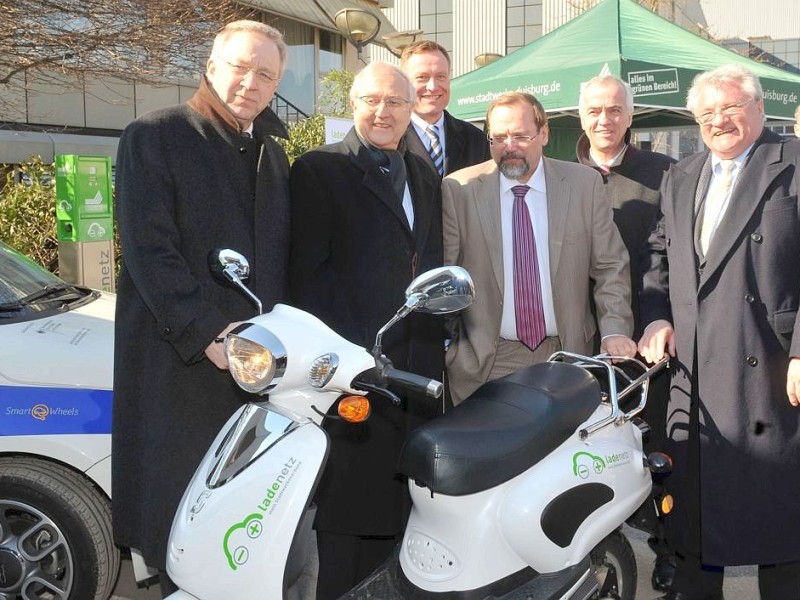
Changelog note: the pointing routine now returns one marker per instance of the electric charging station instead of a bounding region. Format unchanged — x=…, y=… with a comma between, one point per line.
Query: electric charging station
x=85, y=221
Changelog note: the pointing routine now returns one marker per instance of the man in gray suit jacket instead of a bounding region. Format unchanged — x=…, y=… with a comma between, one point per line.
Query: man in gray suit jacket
x=490, y=212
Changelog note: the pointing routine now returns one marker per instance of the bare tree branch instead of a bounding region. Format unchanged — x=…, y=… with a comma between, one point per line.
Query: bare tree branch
x=127, y=40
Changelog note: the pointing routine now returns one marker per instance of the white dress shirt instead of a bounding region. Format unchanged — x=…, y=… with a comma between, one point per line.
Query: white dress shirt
x=716, y=171
x=420, y=125
x=536, y=200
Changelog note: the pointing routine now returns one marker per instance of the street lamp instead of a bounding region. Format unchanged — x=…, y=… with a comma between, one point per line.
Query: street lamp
x=396, y=42
x=359, y=27
x=486, y=58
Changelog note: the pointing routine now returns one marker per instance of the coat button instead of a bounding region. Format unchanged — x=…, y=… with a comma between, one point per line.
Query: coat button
x=749, y=298
x=757, y=237
x=242, y=150
x=167, y=330
x=752, y=361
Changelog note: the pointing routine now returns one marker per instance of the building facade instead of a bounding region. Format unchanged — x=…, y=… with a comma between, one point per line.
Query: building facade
x=58, y=117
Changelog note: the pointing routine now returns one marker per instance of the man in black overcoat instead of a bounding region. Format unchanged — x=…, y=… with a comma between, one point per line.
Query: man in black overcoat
x=632, y=178
x=721, y=295
x=189, y=179
x=366, y=219
x=459, y=144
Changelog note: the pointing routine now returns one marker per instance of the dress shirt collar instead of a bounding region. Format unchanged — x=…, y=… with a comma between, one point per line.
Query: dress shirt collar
x=420, y=125
x=739, y=160
x=536, y=182
x=614, y=161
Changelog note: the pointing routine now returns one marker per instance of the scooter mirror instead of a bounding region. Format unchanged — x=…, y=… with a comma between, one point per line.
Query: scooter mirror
x=226, y=265
x=229, y=266
x=441, y=291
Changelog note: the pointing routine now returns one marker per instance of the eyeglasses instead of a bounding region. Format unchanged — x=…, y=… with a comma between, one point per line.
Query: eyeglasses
x=241, y=70
x=506, y=140
x=390, y=102
x=727, y=111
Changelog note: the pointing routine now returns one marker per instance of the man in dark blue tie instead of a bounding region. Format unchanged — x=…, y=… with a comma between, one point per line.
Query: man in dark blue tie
x=448, y=144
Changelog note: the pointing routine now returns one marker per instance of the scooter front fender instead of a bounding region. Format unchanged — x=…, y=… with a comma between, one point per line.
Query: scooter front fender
x=231, y=538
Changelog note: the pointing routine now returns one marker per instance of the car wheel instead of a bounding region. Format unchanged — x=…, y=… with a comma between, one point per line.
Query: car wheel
x=55, y=534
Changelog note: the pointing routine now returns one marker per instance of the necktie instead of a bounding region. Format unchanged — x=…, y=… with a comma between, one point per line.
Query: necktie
x=436, y=149
x=247, y=134
x=528, y=307
x=715, y=201
x=605, y=169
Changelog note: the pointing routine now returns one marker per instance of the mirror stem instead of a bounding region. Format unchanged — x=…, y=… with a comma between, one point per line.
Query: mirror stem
x=238, y=282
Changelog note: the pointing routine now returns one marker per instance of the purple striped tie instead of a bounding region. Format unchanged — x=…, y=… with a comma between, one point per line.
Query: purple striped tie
x=528, y=306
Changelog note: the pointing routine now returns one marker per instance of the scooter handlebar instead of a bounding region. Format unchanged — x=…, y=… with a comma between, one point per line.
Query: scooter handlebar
x=413, y=382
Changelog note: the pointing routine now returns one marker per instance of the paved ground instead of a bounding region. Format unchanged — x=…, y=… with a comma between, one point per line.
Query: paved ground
x=740, y=583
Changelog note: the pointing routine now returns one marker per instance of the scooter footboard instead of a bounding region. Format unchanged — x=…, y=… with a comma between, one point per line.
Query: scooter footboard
x=389, y=582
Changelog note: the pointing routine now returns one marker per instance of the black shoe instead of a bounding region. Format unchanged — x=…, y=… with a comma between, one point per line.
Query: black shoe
x=663, y=573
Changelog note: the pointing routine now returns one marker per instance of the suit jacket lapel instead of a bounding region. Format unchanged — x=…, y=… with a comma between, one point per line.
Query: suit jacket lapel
x=454, y=141
x=374, y=179
x=423, y=190
x=486, y=196
x=558, y=193
x=759, y=170
x=685, y=182
x=415, y=145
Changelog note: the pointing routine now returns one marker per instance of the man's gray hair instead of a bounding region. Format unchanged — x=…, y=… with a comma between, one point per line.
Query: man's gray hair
x=368, y=72
x=731, y=74
x=246, y=26
x=603, y=79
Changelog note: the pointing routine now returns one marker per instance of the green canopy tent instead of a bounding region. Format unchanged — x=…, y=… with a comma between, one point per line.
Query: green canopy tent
x=658, y=58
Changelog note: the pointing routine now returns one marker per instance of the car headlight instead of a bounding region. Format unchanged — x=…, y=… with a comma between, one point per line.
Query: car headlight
x=256, y=358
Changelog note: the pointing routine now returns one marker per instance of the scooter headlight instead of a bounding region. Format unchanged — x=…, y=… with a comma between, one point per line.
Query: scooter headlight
x=256, y=358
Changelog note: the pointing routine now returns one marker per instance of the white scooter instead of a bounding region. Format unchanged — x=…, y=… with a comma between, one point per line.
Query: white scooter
x=518, y=492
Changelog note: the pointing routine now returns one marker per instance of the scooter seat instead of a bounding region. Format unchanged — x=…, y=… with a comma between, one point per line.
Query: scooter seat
x=503, y=429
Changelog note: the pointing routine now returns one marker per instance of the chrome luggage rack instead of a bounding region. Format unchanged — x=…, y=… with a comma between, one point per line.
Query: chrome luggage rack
x=610, y=364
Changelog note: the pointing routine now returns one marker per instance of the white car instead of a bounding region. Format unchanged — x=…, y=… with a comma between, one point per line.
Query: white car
x=56, y=369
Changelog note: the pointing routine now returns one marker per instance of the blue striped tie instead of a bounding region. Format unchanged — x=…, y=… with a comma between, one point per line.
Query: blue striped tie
x=436, y=149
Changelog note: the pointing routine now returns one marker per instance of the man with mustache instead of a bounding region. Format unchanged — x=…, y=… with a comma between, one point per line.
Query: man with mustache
x=533, y=232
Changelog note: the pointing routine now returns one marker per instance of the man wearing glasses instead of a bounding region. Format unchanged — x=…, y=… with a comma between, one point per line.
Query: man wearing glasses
x=191, y=178
x=721, y=297
x=366, y=219
x=533, y=232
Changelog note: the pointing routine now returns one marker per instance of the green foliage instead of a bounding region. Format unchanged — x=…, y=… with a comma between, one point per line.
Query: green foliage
x=28, y=212
x=334, y=97
x=304, y=135
x=334, y=101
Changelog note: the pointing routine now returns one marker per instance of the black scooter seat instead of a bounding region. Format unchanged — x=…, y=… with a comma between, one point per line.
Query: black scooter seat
x=503, y=429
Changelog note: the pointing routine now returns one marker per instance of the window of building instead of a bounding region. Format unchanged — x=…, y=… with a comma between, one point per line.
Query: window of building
x=523, y=23
x=313, y=53
x=436, y=20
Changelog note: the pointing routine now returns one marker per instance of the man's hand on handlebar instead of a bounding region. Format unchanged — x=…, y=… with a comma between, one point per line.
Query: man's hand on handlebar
x=657, y=337
x=618, y=345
